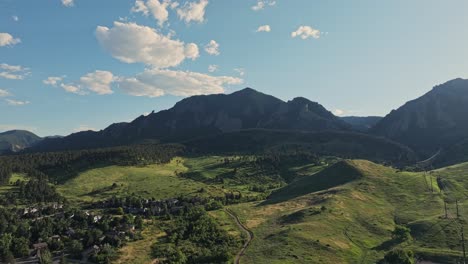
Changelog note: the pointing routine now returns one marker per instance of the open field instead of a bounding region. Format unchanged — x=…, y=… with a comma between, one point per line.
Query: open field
x=15, y=177
x=158, y=181
x=139, y=252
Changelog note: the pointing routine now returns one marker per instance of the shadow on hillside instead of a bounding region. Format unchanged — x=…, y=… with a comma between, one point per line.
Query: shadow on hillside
x=387, y=245
x=338, y=174
x=63, y=174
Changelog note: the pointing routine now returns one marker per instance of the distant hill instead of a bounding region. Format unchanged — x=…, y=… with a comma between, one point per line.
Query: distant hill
x=16, y=140
x=333, y=176
x=361, y=123
x=435, y=121
x=207, y=115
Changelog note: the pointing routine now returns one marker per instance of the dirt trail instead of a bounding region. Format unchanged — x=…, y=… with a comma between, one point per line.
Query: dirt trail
x=249, y=233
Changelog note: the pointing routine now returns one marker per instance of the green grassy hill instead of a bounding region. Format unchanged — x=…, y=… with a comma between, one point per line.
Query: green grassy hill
x=352, y=221
x=338, y=174
x=158, y=181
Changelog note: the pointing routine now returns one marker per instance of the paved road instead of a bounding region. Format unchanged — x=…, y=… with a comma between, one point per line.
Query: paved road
x=250, y=235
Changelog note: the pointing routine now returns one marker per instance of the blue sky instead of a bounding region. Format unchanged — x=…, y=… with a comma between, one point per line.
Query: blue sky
x=70, y=65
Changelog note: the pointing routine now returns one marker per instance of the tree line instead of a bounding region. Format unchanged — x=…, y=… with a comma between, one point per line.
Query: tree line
x=38, y=165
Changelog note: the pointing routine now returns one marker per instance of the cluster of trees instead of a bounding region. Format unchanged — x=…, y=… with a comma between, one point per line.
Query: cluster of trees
x=33, y=191
x=153, y=207
x=399, y=256
x=274, y=159
x=69, y=231
x=5, y=172
x=264, y=187
x=40, y=164
x=194, y=237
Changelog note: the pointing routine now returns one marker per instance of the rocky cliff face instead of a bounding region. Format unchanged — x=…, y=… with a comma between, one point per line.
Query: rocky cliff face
x=434, y=121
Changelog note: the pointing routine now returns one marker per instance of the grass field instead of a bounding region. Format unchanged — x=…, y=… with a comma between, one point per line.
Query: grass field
x=139, y=252
x=227, y=223
x=158, y=181
x=237, y=175
x=15, y=177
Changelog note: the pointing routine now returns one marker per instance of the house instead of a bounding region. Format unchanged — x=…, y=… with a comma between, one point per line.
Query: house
x=70, y=232
x=30, y=210
x=177, y=209
x=92, y=250
x=96, y=218
x=57, y=206
x=155, y=210
x=172, y=202
x=40, y=246
x=55, y=237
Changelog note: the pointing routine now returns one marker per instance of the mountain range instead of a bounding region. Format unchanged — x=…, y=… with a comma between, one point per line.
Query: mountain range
x=17, y=140
x=437, y=122
x=362, y=123
x=207, y=115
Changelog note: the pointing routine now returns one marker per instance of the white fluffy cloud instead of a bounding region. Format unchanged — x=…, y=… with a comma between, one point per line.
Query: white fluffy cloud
x=13, y=72
x=53, y=81
x=135, y=87
x=213, y=68
x=4, y=93
x=261, y=4
x=264, y=28
x=158, y=9
x=98, y=82
x=132, y=43
x=140, y=7
x=15, y=18
x=193, y=11
x=191, y=51
x=305, y=32
x=157, y=82
x=212, y=48
x=16, y=103
x=8, y=40
x=150, y=83
x=68, y=3
x=72, y=88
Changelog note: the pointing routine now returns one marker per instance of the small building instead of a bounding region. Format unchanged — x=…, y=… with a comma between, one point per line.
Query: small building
x=177, y=209
x=40, y=246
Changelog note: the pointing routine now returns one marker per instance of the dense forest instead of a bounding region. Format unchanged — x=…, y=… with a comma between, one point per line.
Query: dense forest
x=38, y=165
x=194, y=237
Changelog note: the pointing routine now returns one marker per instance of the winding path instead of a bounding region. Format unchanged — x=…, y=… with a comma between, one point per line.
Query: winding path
x=250, y=235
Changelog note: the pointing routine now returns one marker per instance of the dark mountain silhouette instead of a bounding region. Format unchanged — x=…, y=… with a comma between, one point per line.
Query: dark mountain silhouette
x=16, y=140
x=206, y=115
x=433, y=122
x=343, y=144
x=361, y=123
